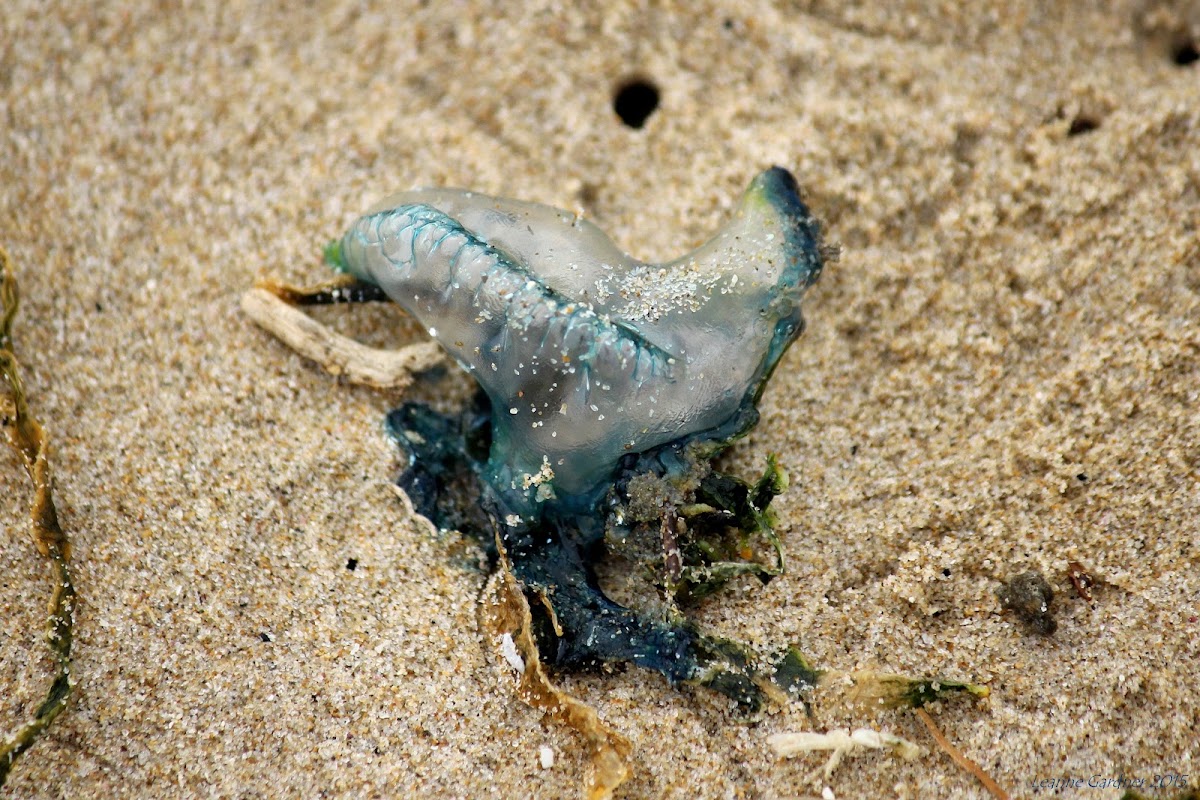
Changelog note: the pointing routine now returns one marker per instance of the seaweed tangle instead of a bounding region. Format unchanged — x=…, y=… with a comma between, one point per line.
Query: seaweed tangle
x=29, y=440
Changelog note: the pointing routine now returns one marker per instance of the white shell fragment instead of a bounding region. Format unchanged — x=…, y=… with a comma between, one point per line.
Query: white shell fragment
x=508, y=649
x=840, y=743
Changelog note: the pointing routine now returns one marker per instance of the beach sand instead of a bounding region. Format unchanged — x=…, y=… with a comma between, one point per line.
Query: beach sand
x=1001, y=373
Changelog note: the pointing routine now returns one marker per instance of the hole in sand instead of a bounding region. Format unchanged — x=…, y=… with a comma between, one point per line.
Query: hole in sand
x=635, y=101
x=1185, y=53
x=1082, y=124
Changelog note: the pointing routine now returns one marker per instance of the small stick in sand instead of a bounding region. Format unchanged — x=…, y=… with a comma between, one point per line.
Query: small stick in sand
x=340, y=355
x=960, y=759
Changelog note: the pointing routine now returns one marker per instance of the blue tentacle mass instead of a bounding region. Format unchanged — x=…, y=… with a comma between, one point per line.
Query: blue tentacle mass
x=610, y=385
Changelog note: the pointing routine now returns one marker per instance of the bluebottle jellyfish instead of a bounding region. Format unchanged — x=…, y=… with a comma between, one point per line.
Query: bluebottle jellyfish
x=608, y=386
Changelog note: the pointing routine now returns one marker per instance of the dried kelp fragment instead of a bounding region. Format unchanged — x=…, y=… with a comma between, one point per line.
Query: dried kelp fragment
x=507, y=620
x=29, y=439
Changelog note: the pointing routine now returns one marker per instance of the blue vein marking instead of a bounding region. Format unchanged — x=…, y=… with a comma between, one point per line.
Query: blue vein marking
x=422, y=216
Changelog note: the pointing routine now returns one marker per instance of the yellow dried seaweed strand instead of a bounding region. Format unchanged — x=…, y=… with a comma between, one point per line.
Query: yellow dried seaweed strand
x=28, y=439
x=507, y=612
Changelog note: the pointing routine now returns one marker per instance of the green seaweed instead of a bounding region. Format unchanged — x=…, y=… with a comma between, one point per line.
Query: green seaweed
x=702, y=526
x=717, y=552
x=902, y=691
x=794, y=674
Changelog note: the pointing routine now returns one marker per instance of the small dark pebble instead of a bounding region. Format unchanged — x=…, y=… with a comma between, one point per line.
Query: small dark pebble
x=266, y=637
x=1082, y=124
x=1029, y=596
x=352, y=564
